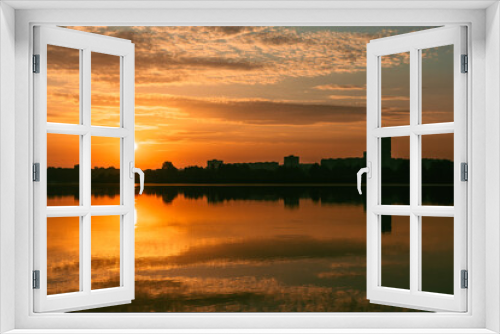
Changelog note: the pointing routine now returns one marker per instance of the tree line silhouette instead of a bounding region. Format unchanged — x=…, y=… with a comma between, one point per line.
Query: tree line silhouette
x=290, y=195
x=394, y=171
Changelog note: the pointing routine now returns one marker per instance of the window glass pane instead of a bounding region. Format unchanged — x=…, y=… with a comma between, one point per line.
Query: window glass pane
x=395, y=251
x=63, y=255
x=105, y=77
x=105, y=171
x=437, y=169
x=395, y=162
x=63, y=172
x=437, y=254
x=63, y=85
x=437, y=84
x=395, y=94
x=105, y=252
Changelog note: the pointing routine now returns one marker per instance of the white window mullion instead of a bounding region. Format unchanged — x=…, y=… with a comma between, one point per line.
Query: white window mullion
x=127, y=105
x=123, y=175
x=414, y=172
x=373, y=191
x=392, y=131
x=434, y=129
x=68, y=129
x=86, y=246
x=422, y=129
x=417, y=118
x=83, y=221
x=78, y=129
x=85, y=149
x=103, y=131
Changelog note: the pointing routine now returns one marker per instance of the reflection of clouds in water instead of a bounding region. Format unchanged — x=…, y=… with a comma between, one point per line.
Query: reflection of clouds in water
x=297, y=285
x=292, y=272
x=62, y=276
x=348, y=267
x=289, y=247
x=245, y=254
x=244, y=294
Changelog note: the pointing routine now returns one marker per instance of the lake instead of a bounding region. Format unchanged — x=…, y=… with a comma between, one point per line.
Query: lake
x=241, y=248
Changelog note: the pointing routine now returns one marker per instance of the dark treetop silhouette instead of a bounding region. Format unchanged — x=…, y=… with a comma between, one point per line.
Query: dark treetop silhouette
x=394, y=171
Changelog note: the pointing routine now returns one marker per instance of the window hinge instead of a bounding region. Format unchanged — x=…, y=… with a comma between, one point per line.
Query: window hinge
x=465, y=64
x=36, y=63
x=36, y=279
x=465, y=279
x=464, y=171
x=36, y=172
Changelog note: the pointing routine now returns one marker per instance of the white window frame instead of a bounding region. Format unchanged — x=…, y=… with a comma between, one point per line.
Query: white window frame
x=86, y=44
x=414, y=43
x=483, y=314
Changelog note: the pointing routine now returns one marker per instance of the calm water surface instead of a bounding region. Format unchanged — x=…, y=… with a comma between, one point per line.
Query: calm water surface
x=243, y=249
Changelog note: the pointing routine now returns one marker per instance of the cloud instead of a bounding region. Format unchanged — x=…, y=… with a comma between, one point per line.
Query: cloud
x=178, y=67
x=230, y=30
x=347, y=97
x=258, y=111
x=346, y=87
x=395, y=98
x=245, y=55
x=62, y=59
x=168, y=61
x=362, y=98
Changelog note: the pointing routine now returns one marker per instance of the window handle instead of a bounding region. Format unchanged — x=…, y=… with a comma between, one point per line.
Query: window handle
x=368, y=171
x=139, y=171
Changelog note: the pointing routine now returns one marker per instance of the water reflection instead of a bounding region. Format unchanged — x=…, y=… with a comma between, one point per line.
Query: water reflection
x=63, y=254
x=289, y=195
x=248, y=249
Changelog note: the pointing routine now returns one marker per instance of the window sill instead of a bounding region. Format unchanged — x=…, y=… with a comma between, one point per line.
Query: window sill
x=252, y=331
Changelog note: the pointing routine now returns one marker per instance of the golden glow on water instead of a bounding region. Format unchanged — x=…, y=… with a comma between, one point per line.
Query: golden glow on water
x=105, y=254
x=192, y=228
x=203, y=251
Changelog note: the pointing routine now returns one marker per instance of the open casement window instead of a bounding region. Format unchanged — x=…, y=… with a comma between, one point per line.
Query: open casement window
x=83, y=248
x=403, y=217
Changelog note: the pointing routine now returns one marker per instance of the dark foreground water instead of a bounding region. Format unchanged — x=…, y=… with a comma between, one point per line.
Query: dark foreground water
x=231, y=248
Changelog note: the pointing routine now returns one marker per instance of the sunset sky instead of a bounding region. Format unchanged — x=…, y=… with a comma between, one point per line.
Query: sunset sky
x=245, y=94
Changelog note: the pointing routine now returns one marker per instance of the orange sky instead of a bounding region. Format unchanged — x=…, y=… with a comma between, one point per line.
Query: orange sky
x=242, y=94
